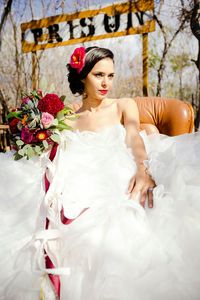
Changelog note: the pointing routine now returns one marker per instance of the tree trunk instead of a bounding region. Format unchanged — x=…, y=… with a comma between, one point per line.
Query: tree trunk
x=181, y=84
x=161, y=70
x=195, y=27
x=5, y=13
x=4, y=107
x=167, y=45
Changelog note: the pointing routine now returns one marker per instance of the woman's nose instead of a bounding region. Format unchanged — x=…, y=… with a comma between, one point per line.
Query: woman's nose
x=104, y=82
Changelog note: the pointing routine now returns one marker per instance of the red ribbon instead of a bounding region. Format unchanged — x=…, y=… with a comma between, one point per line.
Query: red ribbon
x=55, y=279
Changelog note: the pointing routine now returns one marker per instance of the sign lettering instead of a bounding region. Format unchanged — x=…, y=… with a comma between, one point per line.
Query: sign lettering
x=111, y=21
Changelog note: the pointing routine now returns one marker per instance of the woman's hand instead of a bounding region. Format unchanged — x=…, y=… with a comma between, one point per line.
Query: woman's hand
x=142, y=182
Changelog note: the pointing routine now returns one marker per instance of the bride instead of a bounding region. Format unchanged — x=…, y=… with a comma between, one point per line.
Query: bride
x=121, y=217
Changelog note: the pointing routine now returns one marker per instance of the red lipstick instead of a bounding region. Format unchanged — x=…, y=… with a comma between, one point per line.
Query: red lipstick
x=103, y=92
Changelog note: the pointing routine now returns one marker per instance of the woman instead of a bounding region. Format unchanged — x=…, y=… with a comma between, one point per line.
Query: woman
x=94, y=80
x=101, y=239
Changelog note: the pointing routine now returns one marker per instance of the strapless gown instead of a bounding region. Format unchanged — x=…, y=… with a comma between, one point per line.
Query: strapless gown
x=101, y=245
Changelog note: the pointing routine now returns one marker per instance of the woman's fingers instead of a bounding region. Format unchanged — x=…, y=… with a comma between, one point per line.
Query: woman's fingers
x=131, y=185
x=134, y=194
x=143, y=198
x=150, y=197
x=142, y=188
x=145, y=195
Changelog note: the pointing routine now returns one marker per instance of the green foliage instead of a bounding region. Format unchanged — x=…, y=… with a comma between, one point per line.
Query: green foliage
x=180, y=61
x=154, y=59
x=55, y=138
x=14, y=114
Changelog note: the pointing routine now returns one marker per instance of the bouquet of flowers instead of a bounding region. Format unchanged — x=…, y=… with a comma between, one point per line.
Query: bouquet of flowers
x=36, y=124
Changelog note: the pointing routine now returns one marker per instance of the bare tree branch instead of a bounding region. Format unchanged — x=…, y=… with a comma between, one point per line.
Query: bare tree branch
x=6, y=11
x=167, y=45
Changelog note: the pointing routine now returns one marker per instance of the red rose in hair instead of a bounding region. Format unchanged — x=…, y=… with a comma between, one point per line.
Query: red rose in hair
x=13, y=125
x=77, y=60
x=50, y=103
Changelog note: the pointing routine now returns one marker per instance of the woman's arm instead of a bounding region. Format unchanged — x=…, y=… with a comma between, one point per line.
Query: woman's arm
x=142, y=181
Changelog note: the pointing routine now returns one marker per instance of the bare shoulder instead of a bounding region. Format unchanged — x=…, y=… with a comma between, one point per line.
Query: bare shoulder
x=129, y=112
x=125, y=104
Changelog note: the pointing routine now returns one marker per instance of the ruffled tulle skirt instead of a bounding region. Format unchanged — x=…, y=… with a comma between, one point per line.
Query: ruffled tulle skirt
x=101, y=244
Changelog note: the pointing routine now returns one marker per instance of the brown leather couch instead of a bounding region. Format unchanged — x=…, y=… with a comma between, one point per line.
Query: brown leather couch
x=168, y=116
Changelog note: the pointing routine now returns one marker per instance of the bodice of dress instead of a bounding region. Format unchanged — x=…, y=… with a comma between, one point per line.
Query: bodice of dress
x=90, y=166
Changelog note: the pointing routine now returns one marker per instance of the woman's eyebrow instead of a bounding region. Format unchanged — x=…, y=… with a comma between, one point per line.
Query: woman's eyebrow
x=100, y=72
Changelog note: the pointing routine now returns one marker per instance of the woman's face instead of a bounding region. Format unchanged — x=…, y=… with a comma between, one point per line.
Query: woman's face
x=99, y=81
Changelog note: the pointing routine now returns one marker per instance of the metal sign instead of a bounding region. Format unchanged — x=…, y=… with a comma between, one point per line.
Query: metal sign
x=133, y=17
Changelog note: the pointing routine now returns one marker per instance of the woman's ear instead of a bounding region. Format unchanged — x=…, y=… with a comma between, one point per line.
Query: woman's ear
x=83, y=81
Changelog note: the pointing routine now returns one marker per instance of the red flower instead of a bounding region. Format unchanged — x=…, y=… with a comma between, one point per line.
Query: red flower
x=26, y=135
x=42, y=135
x=13, y=125
x=50, y=103
x=77, y=60
x=39, y=92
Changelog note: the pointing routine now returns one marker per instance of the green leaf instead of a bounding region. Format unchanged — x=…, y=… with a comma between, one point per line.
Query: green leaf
x=55, y=122
x=65, y=111
x=62, y=98
x=68, y=110
x=32, y=124
x=35, y=94
x=19, y=142
x=30, y=152
x=55, y=138
x=72, y=117
x=60, y=115
x=62, y=125
x=45, y=144
x=14, y=114
x=21, y=152
x=38, y=150
x=26, y=147
x=17, y=156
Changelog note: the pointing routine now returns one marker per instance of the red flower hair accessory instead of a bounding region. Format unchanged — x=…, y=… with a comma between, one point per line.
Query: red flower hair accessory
x=77, y=60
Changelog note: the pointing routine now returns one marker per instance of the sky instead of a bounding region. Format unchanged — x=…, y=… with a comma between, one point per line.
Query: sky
x=56, y=7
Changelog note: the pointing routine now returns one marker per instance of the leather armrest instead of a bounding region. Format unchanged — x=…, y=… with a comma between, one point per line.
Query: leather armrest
x=171, y=116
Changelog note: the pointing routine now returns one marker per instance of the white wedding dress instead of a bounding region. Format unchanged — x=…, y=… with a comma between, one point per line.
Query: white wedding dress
x=106, y=246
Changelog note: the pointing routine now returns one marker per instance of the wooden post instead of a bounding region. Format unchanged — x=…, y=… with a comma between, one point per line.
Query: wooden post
x=34, y=71
x=145, y=63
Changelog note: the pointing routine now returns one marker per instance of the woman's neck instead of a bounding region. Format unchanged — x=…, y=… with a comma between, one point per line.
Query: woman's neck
x=91, y=104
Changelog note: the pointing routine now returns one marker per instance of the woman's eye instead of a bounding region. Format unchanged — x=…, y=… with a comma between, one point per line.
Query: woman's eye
x=98, y=75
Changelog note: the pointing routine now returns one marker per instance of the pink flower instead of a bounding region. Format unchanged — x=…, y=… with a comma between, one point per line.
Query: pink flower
x=25, y=100
x=77, y=60
x=26, y=135
x=47, y=119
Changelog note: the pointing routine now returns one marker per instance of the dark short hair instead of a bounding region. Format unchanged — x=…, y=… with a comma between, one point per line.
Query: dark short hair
x=94, y=56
